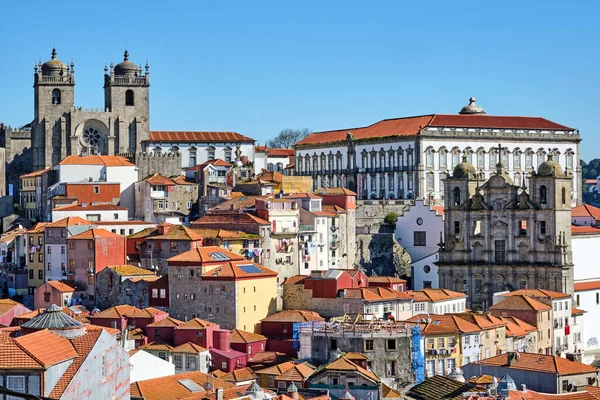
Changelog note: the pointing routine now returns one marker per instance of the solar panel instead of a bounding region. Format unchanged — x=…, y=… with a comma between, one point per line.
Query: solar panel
x=219, y=256
x=190, y=385
x=250, y=269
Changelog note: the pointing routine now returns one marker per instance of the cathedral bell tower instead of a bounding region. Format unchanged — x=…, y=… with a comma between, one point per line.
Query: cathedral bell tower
x=54, y=96
x=126, y=96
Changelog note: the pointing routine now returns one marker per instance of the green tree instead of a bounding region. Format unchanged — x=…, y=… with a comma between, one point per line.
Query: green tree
x=391, y=218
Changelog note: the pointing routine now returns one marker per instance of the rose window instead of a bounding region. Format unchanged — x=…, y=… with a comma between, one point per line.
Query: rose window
x=91, y=137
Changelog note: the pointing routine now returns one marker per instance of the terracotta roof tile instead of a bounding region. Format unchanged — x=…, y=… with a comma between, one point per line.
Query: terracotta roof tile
x=587, y=285
x=38, y=228
x=537, y=293
x=157, y=345
x=448, y=320
x=175, y=232
x=295, y=280
x=439, y=387
x=94, y=233
x=516, y=327
x=240, y=336
x=237, y=270
x=196, y=323
x=158, y=179
x=294, y=316
x=584, y=230
x=385, y=279
x=35, y=173
x=65, y=286
x=69, y=221
x=435, y=295
x=234, y=204
x=239, y=375
x=298, y=373
x=130, y=270
x=125, y=310
x=207, y=254
x=217, y=162
x=334, y=191
x=189, y=348
x=46, y=347
x=585, y=210
x=577, y=311
x=276, y=369
x=109, y=161
x=520, y=303
x=169, y=387
x=197, y=137
x=90, y=207
x=166, y=322
x=344, y=364
x=375, y=293
x=12, y=356
x=7, y=304
x=540, y=363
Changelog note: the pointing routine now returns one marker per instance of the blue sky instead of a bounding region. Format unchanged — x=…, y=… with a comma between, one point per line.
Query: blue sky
x=259, y=67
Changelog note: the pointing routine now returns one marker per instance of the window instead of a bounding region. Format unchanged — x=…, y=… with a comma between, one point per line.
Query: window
x=391, y=368
x=440, y=343
x=429, y=159
x=270, y=381
x=40, y=257
x=163, y=293
x=516, y=160
x=369, y=345
x=456, y=227
x=281, y=385
x=190, y=363
x=49, y=266
x=162, y=355
x=456, y=196
x=129, y=98
x=49, y=251
x=16, y=384
x=103, y=366
x=390, y=344
x=500, y=251
x=173, y=246
x=542, y=227
x=543, y=194
x=565, y=385
x=56, y=96
x=46, y=297
x=96, y=189
x=177, y=360
x=63, y=250
x=528, y=160
x=430, y=368
x=333, y=344
x=564, y=196
x=420, y=238
x=40, y=274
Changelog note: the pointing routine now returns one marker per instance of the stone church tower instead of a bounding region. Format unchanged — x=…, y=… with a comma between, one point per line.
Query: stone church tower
x=500, y=236
x=60, y=129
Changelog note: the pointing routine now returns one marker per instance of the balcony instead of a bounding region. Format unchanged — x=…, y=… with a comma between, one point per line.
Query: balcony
x=307, y=228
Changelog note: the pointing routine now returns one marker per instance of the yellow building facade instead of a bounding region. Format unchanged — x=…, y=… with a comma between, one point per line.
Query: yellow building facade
x=442, y=349
x=35, y=257
x=256, y=298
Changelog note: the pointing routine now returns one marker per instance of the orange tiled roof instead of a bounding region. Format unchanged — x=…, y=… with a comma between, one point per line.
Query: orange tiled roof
x=7, y=305
x=94, y=233
x=298, y=373
x=590, y=393
x=222, y=219
x=411, y=126
x=334, y=191
x=537, y=293
x=483, y=321
x=157, y=345
x=435, y=329
x=197, y=137
x=35, y=173
x=375, y=293
x=435, y=295
x=196, y=323
x=240, y=336
x=520, y=302
x=109, y=161
x=344, y=364
x=37, y=228
x=158, y=179
x=128, y=311
x=207, y=254
x=448, y=320
x=577, y=311
x=217, y=162
x=234, y=204
x=584, y=230
x=585, y=210
x=276, y=369
x=385, y=279
x=168, y=387
x=239, y=375
x=69, y=221
x=166, y=322
x=130, y=270
x=236, y=270
x=541, y=363
x=176, y=232
x=65, y=286
x=587, y=285
x=294, y=316
x=295, y=280
x=89, y=207
x=46, y=347
x=516, y=327
x=189, y=348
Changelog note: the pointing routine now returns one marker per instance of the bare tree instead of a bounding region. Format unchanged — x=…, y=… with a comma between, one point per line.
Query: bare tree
x=288, y=137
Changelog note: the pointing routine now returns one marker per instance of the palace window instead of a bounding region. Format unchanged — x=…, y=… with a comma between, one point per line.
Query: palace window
x=443, y=155
x=480, y=159
x=193, y=157
x=56, y=96
x=516, y=160
x=455, y=158
x=500, y=251
x=429, y=159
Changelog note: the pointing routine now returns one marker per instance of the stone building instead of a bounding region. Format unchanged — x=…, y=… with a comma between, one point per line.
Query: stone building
x=503, y=236
x=387, y=346
x=407, y=158
x=124, y=284
x=60, y=129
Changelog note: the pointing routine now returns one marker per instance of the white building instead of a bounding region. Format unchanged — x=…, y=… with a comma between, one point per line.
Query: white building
x=143, y=365
x=409, y=157
x=272, y=159
x=101, y=169
x=438, y=301
x=587, y=298
x=199, y=147
x=91, y=212
x=124, y=227
x=418, y=231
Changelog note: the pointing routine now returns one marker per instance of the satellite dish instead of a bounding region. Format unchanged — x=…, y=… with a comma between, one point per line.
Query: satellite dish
x=207, y=386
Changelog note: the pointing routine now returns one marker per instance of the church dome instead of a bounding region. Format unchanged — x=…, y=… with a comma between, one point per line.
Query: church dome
x=464, y=170
x=550, y=168
x=472, y=108
x=55, y=320
x=54, y=66
x=126, y=67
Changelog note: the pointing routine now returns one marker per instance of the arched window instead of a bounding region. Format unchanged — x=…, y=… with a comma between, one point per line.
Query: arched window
x=56, y=96
x=543, y=195
x=129, y=101
x=456, y=196
x=564, y=195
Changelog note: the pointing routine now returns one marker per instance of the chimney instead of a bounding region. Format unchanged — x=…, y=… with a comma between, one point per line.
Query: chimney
x=163, y=228
x=221, y=339
x=219, y=393
x=512, y=358
x=523, y=388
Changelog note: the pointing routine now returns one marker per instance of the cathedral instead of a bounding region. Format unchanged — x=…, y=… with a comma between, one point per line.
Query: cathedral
x=501, y=236
x=60, y=129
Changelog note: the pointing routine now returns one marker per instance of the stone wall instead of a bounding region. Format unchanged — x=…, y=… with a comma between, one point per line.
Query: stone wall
x=16, y=156
x=381, y=254
x=166, y=164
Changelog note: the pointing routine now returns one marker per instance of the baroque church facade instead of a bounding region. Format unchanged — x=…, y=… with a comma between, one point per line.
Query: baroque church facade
x=60, y=129
x=502, y=236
